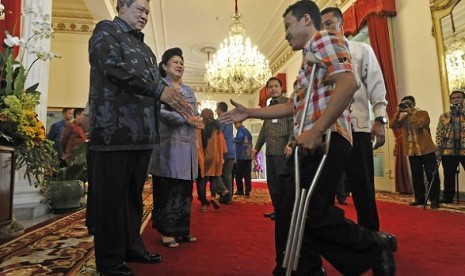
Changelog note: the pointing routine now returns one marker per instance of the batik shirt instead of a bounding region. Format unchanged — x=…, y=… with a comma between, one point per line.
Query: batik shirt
x=125, y=86
x=450, y=134
x=330, y=52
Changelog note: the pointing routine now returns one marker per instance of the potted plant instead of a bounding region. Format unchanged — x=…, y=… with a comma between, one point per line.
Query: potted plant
x=20, y=126
x=66, y=189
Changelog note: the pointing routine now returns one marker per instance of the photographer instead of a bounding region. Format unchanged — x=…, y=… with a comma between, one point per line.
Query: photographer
x=419, y=147
x=451, y=142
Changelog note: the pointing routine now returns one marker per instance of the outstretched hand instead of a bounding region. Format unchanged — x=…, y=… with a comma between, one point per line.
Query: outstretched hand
x=238, y=114
x=172, y=98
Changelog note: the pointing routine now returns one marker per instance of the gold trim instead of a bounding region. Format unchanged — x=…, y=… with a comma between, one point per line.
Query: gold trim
x=72, y=27
x=439, y=10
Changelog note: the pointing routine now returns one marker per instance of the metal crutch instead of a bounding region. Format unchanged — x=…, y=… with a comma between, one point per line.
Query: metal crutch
x=302, y=199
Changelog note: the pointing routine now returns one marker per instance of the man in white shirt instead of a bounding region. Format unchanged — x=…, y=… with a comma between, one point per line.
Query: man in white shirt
x=360, y=168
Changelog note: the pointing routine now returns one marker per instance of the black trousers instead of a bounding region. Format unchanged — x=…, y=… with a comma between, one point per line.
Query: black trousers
x=274, y=165
x=427, y=164
x=117, y=179
x=350, y=248
x=360, y=174
x=243, y=170
x=449, y=164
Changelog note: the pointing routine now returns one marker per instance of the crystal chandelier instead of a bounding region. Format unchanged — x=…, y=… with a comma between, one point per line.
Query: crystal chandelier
x=455, y=63
x=237, y=66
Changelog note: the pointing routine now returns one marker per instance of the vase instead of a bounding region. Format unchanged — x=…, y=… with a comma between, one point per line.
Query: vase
x=65, y=196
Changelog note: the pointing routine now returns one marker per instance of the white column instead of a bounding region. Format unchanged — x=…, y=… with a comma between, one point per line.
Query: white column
x=27, y=199
x=39, y=73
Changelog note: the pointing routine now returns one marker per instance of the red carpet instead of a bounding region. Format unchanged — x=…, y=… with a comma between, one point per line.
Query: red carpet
x=233, y=240
x=237, y=240
x=430, y=241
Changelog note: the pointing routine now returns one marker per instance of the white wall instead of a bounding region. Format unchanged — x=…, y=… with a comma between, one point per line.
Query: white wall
x=69, y=75
x=415, y=57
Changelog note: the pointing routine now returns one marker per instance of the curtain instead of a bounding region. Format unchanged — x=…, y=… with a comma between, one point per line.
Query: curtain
x=350, y=22
x=12, y=22
x=380, y=42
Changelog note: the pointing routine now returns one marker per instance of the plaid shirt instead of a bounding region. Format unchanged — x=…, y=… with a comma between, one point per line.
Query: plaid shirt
x=330, y=52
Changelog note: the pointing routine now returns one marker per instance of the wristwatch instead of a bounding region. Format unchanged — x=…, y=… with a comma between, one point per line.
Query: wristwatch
x=383, y=120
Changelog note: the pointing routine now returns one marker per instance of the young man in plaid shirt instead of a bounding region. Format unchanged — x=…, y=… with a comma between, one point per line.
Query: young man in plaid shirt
x=350, y=248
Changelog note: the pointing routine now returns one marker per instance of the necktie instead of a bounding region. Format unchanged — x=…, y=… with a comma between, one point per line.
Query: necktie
x=273, y=102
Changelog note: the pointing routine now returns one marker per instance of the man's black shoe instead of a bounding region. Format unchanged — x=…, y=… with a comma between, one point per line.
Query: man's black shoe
x=239, y=193
x=273, y=217
x=435, y=204
x=147, y=258
x=268, y=215
x=341, y=200
x=280, y=271
x=416, y=203
x=386, y=265
x=319, y=272
x=121, y=269
x=446, y=200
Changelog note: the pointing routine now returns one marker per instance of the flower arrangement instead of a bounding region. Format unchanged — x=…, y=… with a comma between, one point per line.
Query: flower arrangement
x=20, y=126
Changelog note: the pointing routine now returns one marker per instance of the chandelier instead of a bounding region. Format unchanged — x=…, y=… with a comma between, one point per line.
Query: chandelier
x=455, y=63
x=237, y=66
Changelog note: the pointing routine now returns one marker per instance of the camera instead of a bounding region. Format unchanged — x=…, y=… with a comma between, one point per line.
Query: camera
x=455, y=107
x=404, y=105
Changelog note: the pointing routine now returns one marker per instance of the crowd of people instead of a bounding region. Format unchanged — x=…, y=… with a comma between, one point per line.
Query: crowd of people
x=144, y=120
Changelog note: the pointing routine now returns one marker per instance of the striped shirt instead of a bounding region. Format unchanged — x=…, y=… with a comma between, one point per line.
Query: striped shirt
x=276, y=133
x=330, y=52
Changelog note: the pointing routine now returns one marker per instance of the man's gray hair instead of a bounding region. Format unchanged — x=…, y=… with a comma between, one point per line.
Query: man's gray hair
x=121, y=3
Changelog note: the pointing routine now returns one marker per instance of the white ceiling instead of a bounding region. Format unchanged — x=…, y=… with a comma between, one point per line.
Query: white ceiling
x=193, y=24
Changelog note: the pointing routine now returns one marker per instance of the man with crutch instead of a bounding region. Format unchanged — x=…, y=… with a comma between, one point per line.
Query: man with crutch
x=450, y=137
x=350, y=248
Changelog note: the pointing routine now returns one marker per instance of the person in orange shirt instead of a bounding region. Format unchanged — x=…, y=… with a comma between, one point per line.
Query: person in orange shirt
x=212, y=146
x=420, y=149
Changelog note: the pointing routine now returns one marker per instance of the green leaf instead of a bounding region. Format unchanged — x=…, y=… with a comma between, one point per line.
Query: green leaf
x=19, y=80
x=32, y=88
x=9, y=75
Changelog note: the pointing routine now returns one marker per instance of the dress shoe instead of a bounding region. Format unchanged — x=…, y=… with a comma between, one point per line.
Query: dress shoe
x=214, y=204
x=446, y=200
x=341, y=200
x=268, y=215
x=386, y=265
x=146, y=258
x=416, y=203
x=239, y=193
x=319, y=272
x=280, y=271
x=121, y=269
x=435, y=204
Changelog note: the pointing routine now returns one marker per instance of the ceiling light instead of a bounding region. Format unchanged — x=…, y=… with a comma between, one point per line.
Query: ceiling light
x=237, y=66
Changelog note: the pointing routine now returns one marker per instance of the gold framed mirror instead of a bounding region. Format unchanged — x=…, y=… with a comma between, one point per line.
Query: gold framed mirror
x=442, y=31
